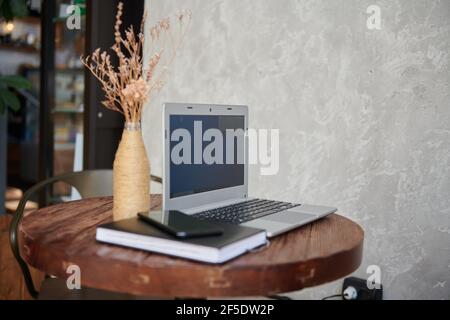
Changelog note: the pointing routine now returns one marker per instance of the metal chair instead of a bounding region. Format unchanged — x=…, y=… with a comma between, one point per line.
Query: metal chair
x=89, y=183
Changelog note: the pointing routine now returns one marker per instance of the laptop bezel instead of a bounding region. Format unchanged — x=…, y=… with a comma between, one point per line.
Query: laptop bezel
x=204, y=198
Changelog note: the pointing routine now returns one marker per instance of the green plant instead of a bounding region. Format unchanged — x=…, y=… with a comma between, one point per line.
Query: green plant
x=7, y=97
x=9, y=9
x=13, y=8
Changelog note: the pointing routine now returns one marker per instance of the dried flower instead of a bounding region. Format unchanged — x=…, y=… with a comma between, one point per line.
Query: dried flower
x=154, y=60
x=135, y=91
x=165, y=24
x=128, y=85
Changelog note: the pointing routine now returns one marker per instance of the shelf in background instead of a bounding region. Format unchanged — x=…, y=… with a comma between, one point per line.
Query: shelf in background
x=69, y=70
x=64, y=146
x=18, y=48
x=67, y=111
x=29, y=19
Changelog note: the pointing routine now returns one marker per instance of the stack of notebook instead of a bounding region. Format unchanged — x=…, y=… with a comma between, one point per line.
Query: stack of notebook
x=234, y=241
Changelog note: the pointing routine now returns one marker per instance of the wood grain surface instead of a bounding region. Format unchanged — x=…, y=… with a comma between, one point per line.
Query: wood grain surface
x=55, y=237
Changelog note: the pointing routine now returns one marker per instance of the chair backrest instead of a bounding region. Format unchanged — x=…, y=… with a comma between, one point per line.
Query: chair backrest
x=91, y=183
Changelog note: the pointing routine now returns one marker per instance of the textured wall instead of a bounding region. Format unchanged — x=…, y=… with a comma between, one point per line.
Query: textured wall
x=364, y=116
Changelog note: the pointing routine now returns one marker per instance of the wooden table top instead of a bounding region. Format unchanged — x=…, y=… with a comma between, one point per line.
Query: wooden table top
x=55, y=237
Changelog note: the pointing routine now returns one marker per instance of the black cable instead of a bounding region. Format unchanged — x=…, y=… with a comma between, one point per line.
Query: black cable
x=333, y=296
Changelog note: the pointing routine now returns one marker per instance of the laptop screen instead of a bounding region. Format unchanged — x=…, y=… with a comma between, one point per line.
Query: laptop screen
x=207, y=152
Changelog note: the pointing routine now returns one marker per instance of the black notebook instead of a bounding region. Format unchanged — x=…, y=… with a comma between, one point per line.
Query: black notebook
x=135, y=233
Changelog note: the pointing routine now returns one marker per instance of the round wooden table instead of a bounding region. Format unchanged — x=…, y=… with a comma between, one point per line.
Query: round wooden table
x=55, y=237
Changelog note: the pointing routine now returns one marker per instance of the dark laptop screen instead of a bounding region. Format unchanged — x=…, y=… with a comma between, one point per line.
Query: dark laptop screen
x=207, y=152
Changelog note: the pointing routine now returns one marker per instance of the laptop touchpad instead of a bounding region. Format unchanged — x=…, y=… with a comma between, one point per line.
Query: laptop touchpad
x=291, y=217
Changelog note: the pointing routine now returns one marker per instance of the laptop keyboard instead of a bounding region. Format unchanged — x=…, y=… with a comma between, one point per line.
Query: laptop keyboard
x=244, y=211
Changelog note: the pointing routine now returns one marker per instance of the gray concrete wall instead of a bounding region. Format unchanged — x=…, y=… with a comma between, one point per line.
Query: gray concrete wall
x=364, y=116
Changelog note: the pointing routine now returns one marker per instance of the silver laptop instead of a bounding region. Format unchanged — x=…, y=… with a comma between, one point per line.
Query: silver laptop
x=205, y=165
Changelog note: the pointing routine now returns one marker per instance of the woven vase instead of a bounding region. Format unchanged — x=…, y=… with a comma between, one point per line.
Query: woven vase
x=131, y=174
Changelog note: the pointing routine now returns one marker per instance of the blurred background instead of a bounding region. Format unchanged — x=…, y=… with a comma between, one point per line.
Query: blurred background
x=51, y=117
x=58, y=103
